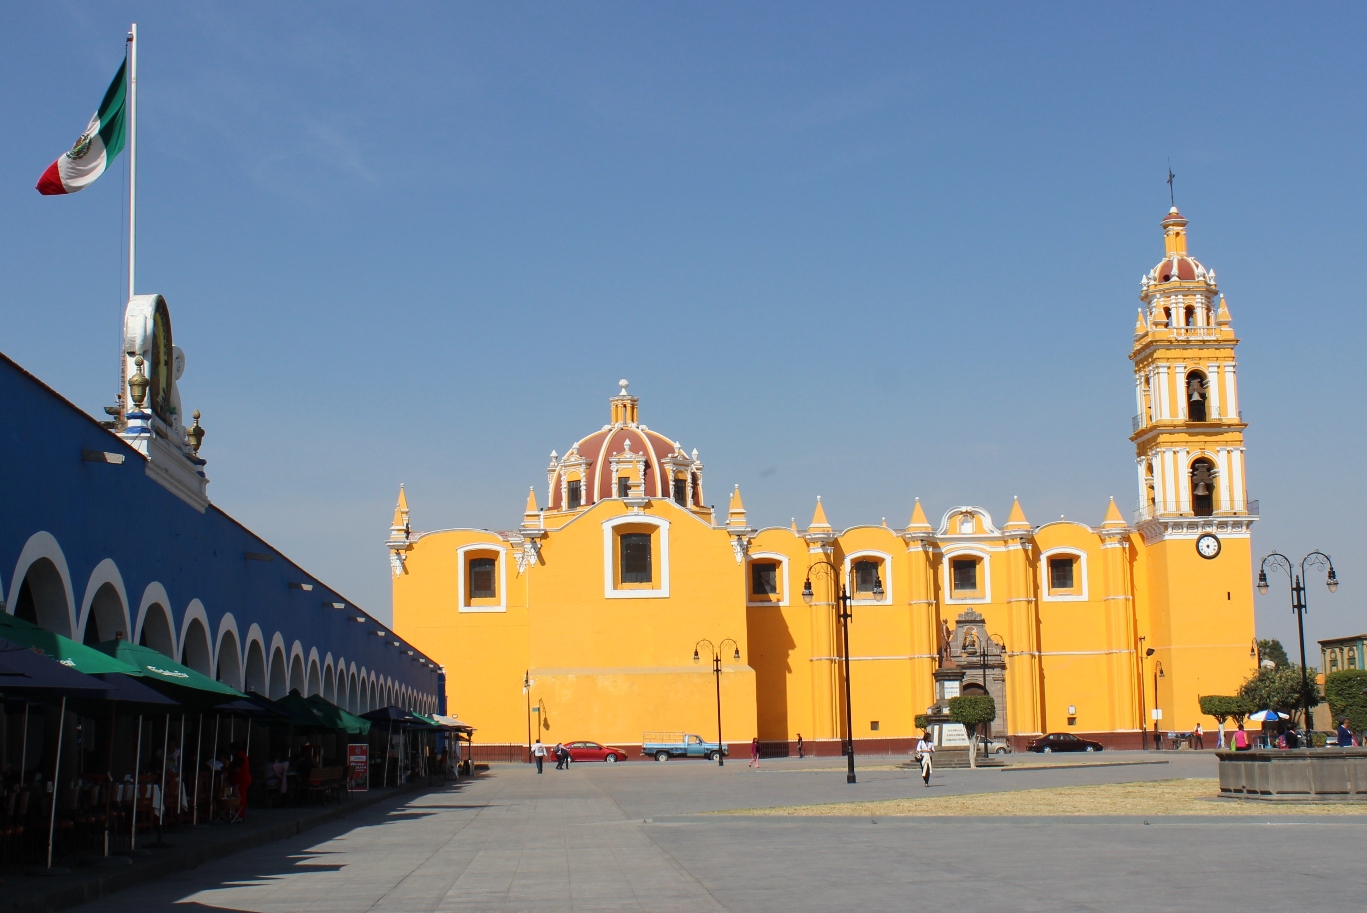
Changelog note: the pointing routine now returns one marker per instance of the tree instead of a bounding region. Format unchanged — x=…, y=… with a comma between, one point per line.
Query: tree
x=1344, y=691
x=1272, y=649
x=1223, y=707
x=1280, y=689
x=922, y=722
x=973, y=711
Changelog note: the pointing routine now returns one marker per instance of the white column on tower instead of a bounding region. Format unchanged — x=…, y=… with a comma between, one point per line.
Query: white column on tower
x=1161, y=409
x=1226, y=494
x=1213, y=391
x=1180, y=480
x=1237, y=470
x=1179, y=374
x=1231, y=392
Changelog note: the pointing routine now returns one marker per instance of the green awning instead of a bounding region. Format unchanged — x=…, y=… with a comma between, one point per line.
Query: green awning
x=316, y=711
x=344, y=721
x=157, y=669
x=63, y=649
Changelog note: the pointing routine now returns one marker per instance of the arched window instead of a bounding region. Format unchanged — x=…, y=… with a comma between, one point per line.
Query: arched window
x=1198, y=395
x=1191, y=316
x=1203, y=487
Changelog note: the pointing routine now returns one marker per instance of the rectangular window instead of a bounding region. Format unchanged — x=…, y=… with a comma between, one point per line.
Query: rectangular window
x=965, y=571
x=865, y=576
x=681, y=492
x=764, y=579
x=636, y=558
x=482, y=578
x=574, y=495
x=623, y=487
x=1061, y=573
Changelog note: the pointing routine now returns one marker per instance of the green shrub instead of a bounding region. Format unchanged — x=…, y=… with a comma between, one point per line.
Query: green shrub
x=972, y=709
x=922, y=722
x=1224, y=707
x=1344, y=692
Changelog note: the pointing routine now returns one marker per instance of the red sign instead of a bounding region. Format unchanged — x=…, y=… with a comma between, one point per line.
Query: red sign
x=358, y=765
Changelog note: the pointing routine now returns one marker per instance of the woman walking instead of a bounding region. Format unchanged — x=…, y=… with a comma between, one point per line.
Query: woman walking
x=924, y=749
x=754, y=752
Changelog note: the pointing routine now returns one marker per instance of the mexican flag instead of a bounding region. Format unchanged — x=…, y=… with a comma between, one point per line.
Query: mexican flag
x=102, y=140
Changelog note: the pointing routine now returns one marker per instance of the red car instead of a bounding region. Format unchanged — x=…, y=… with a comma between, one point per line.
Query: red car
x=592, y=751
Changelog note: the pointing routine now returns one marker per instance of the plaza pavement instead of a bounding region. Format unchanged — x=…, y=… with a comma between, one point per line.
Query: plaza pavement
x=633, y=837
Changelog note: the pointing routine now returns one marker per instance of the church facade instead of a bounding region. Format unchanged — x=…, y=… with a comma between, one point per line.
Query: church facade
x=600, y=615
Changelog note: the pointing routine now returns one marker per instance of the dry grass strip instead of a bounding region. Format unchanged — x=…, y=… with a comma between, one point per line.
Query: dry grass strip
x=1152, y=797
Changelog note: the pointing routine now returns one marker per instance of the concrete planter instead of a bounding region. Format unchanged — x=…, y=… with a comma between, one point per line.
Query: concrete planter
x=1306, y=775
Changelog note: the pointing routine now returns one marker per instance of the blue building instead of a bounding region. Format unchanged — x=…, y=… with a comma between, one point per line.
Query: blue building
x=177, y=574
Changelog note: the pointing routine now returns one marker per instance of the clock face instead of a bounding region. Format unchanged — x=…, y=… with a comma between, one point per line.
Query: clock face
x=1208, y=546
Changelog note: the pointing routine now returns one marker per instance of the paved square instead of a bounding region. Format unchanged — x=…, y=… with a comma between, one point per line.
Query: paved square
x=635, y=837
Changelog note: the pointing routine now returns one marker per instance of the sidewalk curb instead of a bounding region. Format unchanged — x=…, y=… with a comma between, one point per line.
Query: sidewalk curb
x=64, y=897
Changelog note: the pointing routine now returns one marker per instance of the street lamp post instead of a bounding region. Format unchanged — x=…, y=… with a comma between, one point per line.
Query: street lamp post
x=1157, y=674
x=1143, y=699
x=1315, y=559
x=527, y=693
x=842, y=611
x=716, y=674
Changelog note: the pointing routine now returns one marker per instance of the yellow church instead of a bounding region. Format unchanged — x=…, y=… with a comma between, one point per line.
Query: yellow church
x=584, y=621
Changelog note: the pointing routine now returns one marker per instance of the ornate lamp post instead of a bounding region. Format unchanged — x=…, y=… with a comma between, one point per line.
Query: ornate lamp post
x=1315, y=559
x=715, y=653
x=842, y=612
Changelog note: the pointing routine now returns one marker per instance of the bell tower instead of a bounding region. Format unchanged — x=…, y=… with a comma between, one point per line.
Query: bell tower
x=1193, y=515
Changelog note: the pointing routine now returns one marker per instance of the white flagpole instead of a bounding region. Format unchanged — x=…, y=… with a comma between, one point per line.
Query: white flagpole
x=132, y=150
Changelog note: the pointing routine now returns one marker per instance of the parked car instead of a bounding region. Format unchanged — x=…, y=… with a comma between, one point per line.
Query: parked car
x=1063, y=741
x=592, y=751
x=665, y=745
x=992, y=746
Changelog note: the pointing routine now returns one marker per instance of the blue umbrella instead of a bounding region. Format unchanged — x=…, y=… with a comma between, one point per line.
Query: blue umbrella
x=24, y=672
x=1268, y=716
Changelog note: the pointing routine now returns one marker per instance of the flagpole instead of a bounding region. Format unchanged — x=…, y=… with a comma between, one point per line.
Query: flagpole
x=132, y=150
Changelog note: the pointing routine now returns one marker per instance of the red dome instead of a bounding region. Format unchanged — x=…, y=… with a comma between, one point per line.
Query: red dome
x=1178, y=268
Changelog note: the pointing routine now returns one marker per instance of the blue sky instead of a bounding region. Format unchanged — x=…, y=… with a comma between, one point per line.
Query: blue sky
x=870, y=254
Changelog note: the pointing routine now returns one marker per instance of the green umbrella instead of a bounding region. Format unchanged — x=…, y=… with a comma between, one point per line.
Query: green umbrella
x=63, y=649
x=317, y=711
x=300, y=713
x=344, y=721
x=180, y=682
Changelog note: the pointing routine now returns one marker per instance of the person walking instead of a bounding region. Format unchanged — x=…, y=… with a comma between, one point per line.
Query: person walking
x=1198, y=738
x=562, y=757
x=799, y=746
x=1240, y=739
x=1345, y=734
x=925, y=747
x=754, y=752
x=538, y=753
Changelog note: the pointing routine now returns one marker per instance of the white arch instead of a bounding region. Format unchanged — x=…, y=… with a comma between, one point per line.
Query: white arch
x=227, y=625
x=277, y=674
x=155, y=594
x=329, y=687
x=41, y=545
x=256, y=665
x=105, y=572
x=194, y=612
x=296, y=663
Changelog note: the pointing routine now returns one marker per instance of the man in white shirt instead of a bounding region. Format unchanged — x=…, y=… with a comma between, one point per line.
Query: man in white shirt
x=538, y=754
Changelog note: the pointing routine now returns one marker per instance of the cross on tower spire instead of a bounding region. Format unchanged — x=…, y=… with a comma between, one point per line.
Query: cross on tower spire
x=1171, y=201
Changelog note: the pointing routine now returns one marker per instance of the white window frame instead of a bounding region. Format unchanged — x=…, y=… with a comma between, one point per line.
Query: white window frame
x=783, y=572
x=948, y=571
x=887, y=578
x=1072, y=552
x=610, y=590
x=464, y=573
